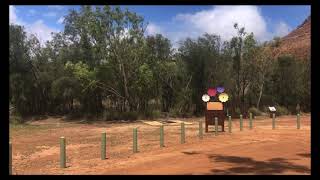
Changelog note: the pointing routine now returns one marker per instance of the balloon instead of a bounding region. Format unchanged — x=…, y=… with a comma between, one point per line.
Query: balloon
x=223, y=97
x=205, y=98
x=220, y=89
x=212, y=92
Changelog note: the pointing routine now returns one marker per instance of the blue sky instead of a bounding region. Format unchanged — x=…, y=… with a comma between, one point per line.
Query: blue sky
x=178, y=22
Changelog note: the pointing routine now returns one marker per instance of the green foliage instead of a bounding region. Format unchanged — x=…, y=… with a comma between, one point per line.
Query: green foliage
x=104, y=60
x=254, y=111
x=152, y=114
x=281, y=110
x=237, y=112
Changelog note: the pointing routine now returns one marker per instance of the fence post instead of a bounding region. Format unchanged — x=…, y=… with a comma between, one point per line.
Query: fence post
x=182, y=133
x=216, y=126
x=62, y=152
x=200, y=130
x=273, y=121
x=240, y=122
x=250, y=121
x=10, y=158
x=103, y=145
x=161, y=136
x=298, y=121
x=229, y=124
x=135, y=140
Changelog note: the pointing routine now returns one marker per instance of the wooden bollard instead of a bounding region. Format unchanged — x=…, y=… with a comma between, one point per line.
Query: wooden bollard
x=161, y=136
x=62, y=152
x=10, y=158
x=298, y=121
x=182, y=139
x=216, y=126
x=250, y=121
x=200, y=130
x=135, y=140
x=273, y=121
x=229, y=124
x=103, y=145
x=241, y=126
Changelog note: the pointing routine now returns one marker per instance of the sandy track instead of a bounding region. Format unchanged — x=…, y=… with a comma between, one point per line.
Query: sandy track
x=285, y=150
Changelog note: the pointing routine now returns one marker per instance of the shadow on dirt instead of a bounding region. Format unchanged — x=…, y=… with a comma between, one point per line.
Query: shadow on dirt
x=306, y=155
x=245, y=165
x=190, y=153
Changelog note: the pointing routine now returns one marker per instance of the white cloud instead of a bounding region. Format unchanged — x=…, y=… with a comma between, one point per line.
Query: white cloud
x=38, y=28
x=56, y=7
x=282, y=29
x=153, y=29
x=13, y=18
x=220, y=20
x=50, y=14
x=60, y=20
x=41, y=30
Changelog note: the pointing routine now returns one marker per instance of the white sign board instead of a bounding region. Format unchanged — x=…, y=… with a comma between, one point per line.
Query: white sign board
x=272, y=109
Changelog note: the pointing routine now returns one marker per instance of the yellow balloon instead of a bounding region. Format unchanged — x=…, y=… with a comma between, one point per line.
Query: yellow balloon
x=223, y=97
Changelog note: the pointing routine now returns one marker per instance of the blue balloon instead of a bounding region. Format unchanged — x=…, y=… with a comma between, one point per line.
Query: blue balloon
x=220, y=89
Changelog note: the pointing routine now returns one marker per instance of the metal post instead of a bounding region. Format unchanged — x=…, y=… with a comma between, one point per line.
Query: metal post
x=62, y=152
x=103, y=145
x=240, y=122
x=216, y=126
x=200, y=130
x=229, y=124
x=250, y=121
x=10, y=158
x=273, y=121
x=182, y=133
x=135, y=140
x=161, y=136
x=298, y=121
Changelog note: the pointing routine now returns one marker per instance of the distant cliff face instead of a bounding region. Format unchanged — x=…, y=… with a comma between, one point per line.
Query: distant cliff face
x=297, y=42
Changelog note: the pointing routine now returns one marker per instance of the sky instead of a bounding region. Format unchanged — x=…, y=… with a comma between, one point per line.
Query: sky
x=177, y=22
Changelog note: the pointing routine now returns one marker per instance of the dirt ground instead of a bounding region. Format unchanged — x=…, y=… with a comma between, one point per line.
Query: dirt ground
x=285, y=150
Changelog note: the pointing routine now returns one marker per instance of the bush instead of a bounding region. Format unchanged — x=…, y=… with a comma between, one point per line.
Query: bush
x=15, y=120
x=237, y=112
x=115, y=115
x=254, y=111
x=133, y=115
x=174, y=112
x=152, y=114
x=281, y=110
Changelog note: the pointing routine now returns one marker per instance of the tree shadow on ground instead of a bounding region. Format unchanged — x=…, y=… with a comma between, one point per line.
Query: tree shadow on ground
x=307, y=155
x=245, y=165
x=190, y=153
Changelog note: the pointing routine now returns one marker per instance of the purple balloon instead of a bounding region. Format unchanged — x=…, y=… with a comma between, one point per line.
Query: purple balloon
x=220, y=89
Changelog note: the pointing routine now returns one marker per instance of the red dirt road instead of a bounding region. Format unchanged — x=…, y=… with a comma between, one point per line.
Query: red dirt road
x=261, y=150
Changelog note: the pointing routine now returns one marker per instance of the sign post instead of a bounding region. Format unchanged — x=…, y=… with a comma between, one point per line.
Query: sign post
x=240, y=122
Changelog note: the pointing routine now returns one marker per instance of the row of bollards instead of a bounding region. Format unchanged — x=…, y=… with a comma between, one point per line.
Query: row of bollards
x=135, y=138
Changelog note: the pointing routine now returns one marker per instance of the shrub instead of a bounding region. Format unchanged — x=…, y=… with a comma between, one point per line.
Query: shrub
x=237, y=112
x=254, y=111
x=133, y=115
x=281, y=110
x=15, y=120
x=174, y=112
x=152, y=114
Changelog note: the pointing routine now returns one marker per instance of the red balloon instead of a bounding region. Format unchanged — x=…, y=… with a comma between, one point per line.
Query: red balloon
x=212, y=92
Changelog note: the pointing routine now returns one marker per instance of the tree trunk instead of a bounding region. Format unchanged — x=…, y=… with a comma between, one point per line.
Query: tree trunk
x=260, y=95
x=125, y=84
